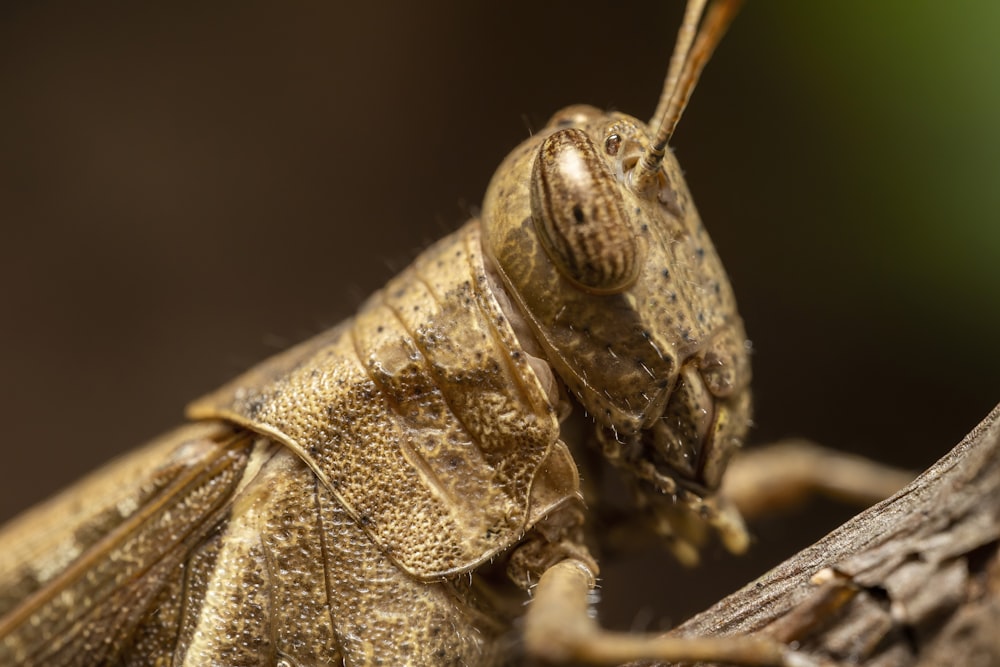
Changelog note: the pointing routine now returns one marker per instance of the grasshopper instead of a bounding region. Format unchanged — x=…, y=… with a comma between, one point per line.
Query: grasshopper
x=393, y=490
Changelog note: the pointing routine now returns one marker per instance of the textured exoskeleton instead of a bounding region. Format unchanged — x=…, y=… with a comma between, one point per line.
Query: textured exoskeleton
x=388, y=491
x=366, y=473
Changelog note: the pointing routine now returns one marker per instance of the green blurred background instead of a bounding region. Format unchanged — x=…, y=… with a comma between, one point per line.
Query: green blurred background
x=187, y=188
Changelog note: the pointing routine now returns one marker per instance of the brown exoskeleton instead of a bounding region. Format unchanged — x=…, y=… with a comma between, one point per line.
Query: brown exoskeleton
x=389, y=491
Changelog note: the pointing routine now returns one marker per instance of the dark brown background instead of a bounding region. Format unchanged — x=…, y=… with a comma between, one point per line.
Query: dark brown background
x=185, y=189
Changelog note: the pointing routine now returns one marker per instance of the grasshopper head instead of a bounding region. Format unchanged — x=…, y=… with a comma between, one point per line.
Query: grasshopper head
x=624, y=292
x=591, y=228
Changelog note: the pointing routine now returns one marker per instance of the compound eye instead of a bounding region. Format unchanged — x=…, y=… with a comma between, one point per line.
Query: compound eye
x=612, y=144
x=579, y=212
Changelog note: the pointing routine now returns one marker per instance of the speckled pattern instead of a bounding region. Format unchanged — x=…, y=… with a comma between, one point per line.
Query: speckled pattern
x=284, y=576
x=422, y=415
x=297, y=579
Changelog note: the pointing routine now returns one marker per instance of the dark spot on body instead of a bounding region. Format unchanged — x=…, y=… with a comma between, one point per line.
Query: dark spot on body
x=665, y=273
x=255, y=406
x=578, y=214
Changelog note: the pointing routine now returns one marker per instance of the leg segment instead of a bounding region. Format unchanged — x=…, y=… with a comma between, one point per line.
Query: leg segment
x=559, y=629
x=785, y=474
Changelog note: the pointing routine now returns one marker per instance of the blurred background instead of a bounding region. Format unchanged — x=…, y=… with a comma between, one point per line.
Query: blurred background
x=187, y=188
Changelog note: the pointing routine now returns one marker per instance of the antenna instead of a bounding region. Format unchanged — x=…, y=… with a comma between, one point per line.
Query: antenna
x=694, y=47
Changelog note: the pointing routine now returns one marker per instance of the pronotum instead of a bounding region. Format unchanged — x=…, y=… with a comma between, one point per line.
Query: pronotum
x=687, y=120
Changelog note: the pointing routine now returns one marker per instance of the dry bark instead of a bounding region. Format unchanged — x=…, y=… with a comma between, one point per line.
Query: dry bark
x=913, y=581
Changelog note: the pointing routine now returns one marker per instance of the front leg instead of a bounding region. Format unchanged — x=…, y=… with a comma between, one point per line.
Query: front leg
x=785, y=474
